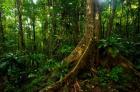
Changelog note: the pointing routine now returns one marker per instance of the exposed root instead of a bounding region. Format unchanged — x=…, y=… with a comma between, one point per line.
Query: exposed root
x=77, y=87
x=127, y=64
x=119, y=60
x=80, y=48
x=80, y=64
x=86, y=51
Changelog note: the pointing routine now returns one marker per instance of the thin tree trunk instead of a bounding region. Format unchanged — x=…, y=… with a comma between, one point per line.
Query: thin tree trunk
x=34, y=40
x=1, y=34
x=44, y=31
x=76, y=26
x=110, y=25
x=127, y=23
x=122, y=7
x=20, y=25
x=33, y=26
x=45, y=27
x=138, y=16
x=103, y=30
x=1, y=28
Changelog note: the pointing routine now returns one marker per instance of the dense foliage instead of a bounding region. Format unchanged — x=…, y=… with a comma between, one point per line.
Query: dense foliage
x=36, y=36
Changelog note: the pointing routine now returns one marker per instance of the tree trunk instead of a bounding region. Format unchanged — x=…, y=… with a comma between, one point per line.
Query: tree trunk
x=86, y=52
x=44, y=32
x=138, y=16
x=33, y=26
x=122, y=9
x=85, y=49
x=88, y=35
x=20, y=25
x=76, y=26
x=1, y=33
x=110, y=25
x=127, y=23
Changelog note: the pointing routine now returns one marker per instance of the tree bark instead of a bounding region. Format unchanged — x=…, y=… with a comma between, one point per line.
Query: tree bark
x=20, y=25
x=33, y=18
x=127, y=23
x=138, y=16
x=1, y=33
x=110, y=25
x=80, y=48
x=44, y=31
x=85, y=49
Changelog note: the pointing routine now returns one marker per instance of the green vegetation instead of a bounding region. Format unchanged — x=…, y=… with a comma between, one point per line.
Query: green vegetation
x=38, y=38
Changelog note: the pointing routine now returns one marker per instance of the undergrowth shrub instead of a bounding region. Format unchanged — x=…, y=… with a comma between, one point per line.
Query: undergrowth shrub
x=116, y=74
x=27, y=72
x=112, y=44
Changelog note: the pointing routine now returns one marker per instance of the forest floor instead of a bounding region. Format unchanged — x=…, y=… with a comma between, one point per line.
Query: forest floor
x=87, y=82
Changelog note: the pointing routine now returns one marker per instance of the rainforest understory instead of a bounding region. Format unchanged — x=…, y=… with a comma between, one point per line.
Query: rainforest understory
x=70, y=46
